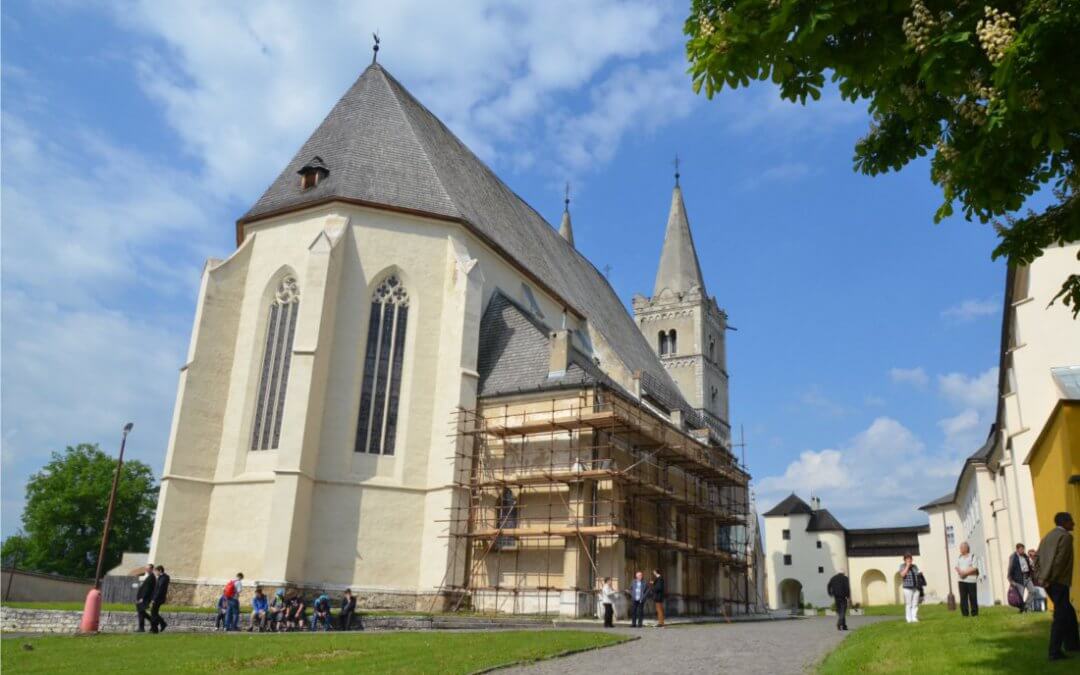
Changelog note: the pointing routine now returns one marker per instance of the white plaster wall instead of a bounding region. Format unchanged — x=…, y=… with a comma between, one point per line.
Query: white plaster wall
x=805, y=558
x=932, y=552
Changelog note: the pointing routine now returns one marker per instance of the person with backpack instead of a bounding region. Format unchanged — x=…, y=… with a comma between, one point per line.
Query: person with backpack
x=840, y=589
x=320, y=612
x=232, y=595
x=909, y=574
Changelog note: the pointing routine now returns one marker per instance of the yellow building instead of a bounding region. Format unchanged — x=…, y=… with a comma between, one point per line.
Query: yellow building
x=1055, y=462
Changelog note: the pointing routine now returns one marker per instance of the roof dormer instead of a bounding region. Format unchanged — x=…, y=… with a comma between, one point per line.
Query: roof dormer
x=312, y=172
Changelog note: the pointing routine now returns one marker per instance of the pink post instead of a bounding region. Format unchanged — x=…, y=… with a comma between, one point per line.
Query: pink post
x=91, y=615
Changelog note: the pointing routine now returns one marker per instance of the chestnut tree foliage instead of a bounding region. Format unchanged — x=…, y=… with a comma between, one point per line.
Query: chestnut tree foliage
x=989, y=89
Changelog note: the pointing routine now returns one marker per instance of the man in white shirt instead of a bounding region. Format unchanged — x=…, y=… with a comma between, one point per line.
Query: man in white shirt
x=967, y=569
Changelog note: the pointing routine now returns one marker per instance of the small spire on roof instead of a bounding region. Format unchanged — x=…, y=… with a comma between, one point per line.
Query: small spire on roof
x=375, y=47
x=565, y=229
x=676, y=168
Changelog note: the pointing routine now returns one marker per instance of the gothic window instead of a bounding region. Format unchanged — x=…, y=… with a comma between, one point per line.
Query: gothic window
x=376, y=429
x=508, y=517
x=712, y=349
x=277, y=355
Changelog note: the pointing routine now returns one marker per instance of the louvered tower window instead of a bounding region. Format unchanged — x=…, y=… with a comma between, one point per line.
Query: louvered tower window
x=277, y=355
x=376, y=430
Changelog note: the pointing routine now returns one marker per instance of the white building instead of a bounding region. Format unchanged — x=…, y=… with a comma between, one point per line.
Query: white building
x=806, y=545
x=992, y=507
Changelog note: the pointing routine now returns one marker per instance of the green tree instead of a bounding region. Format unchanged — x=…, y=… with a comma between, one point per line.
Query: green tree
x=65, y=513
x=990, y=89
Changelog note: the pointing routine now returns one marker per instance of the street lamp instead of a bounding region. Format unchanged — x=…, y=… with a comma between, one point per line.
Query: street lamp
x=91, y=617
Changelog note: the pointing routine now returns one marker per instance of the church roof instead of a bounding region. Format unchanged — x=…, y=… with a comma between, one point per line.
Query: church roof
x=679, y=270
x=790, y=505
x=515, y=353
x=383, y=148
x=823, y=521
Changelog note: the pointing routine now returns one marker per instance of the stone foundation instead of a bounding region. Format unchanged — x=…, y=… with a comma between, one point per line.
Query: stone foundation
x=196, y=594
x=63, y=621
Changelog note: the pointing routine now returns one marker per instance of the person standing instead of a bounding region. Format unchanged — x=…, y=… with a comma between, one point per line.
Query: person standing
x=607, y=600
x=1038, y=604
x=348, y=609
x=967, y=569
x=909, y=575
x=144, y=596
x=232, y=595
x=658, y=589
x=639, y=591
x=161, y=595
x=1055, y=575
x=840, y=589
x=1020, y=569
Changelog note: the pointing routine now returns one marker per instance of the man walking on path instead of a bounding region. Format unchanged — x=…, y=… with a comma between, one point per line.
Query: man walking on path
x=1055, y=575
x=840, y=589
x=1020, y=577
x=143, y=597
x=658, y=597
x=967, y=568
x=638, y=592
x=161, y=595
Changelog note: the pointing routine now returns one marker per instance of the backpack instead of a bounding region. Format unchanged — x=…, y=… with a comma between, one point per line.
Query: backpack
x=230, y=589
x=1014, y=597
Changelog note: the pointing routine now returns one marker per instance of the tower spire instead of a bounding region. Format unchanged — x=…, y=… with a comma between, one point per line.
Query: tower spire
x=565, y=229
x=679, y=270
x=676, y=169
x=375, y=47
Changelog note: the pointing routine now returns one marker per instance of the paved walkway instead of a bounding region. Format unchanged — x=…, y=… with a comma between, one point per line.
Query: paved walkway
x=771, y=647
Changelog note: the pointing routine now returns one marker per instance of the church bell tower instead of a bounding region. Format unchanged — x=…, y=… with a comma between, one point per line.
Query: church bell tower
x=685, y=325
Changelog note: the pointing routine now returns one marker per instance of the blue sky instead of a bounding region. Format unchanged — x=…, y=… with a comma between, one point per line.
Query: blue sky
x=134, y=134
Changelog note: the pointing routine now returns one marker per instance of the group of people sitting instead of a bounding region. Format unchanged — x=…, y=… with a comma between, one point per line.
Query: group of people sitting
x=287, y=611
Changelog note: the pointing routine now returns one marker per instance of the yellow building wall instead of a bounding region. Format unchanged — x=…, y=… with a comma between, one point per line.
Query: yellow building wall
x=1055, y=458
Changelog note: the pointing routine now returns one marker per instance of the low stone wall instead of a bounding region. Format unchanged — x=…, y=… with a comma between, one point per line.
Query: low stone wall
x=194, y=594
x=63, y=621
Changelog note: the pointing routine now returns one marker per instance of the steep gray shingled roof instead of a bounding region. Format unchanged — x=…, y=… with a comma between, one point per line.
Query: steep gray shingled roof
x=823, y=521
x=384, y=148
x=515, y=353
x=679, y=270
x=789, y=505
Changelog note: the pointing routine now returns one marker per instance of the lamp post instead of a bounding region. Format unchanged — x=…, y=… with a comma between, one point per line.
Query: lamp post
x=91, y=617
x=950, y=599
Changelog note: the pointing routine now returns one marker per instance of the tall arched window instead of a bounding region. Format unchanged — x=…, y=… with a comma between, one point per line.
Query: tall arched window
x=277, y=355
x=376, y=429
x=662, y=340
x=672, y=345
x=508, y=518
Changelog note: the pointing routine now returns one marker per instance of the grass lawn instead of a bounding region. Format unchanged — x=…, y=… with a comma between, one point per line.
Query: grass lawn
x=999, y=640
x=418, y=652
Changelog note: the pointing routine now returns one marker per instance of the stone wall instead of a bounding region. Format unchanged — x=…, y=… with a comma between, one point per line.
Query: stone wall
x=206, y=595
x=63, y=621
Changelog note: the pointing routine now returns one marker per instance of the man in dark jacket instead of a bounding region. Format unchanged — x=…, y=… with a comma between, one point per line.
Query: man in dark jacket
x=144, y=596
x=348, y=609
x=658, y=590
x=840, y=589
x=161, y=594
x=1020, y=568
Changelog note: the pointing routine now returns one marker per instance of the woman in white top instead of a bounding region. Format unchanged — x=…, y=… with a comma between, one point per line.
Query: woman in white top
x=909, y=574
x=607, y=598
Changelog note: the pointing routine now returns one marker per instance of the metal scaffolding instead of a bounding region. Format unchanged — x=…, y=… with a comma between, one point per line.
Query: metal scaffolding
x=559, y=492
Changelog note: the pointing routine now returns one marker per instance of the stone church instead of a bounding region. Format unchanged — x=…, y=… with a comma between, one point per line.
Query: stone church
x=406, y=382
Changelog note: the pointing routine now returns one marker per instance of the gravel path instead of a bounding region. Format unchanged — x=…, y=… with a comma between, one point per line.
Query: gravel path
x=771, y=647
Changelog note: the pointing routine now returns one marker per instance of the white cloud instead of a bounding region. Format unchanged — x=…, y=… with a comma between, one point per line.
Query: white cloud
x=977, y=391
x=814, y=398
x=490, y=70
x=878, y=477
x=915, y=376
x=962, y=430
x=969, y=310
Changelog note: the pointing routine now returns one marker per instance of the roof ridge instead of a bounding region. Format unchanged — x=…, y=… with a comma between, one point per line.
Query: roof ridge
x=396, y=88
